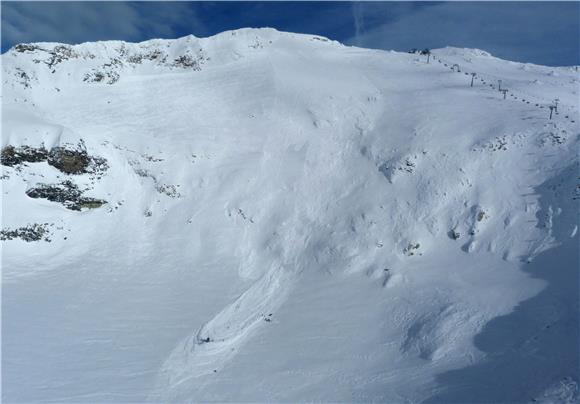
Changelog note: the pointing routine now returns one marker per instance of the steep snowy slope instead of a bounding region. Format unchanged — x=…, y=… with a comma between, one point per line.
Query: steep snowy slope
x=265, y=216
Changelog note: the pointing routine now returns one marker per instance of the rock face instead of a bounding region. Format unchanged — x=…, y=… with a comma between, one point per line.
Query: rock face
x=32, y=232
x=69, y=161
x=12, y=156
x=65, y=193
x=109, y=65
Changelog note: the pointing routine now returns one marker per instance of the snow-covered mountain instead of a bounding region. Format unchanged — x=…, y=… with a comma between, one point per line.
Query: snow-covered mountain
x=266, y=216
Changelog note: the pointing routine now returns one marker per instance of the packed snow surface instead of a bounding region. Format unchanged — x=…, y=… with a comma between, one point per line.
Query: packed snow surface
x=266, y=216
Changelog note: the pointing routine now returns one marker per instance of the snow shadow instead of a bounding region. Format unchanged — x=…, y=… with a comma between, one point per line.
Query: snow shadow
x=533, y=352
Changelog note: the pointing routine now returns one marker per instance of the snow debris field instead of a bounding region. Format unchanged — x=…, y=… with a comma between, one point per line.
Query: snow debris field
x=262, y=216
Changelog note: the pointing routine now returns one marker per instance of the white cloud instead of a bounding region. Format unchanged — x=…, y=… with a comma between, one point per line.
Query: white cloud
x=74, y=22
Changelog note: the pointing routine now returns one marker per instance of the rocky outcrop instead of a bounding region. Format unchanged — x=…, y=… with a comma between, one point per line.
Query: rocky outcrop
x=67, y=159
x=67, y=194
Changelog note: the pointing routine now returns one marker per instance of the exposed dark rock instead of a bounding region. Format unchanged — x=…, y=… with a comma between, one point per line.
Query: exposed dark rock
x=59, y=54
x=135, y=59
x=25, y=47
x=411, y=249
x=109, y=77
x=90, y=203
x=201, y=341
x=96, y=77
x=481, y=215
x=454, y=234
x=76, y=160
x=167, y=189
x=156, y=55
x=69, y=161
x=11, y=156
x=23, y=77
x=32, y=232
x=65, y=193
x=186, y=62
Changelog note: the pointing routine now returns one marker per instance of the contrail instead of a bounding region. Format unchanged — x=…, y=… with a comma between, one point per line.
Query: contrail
x=358, y=18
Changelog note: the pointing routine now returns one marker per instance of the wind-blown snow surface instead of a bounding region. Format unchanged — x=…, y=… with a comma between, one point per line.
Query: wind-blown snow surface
x=290, y=219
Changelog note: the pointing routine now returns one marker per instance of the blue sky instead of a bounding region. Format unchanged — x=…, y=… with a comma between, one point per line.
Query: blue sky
x=538, y=32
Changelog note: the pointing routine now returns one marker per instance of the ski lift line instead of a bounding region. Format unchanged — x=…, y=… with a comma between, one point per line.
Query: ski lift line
x=524, y=92
x=552, y=107
x=482, y=78
x=499, y=78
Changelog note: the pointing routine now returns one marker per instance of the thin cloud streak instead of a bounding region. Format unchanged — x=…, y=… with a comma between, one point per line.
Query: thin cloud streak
x=358, y=19
x=75, y=22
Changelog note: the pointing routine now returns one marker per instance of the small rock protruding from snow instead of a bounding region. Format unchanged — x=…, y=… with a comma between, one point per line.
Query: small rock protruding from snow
x=454, y=234
x=412, y=249
x=391, y=169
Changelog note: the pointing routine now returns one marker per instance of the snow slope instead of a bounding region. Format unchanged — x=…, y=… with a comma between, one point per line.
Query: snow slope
x=289, y=219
